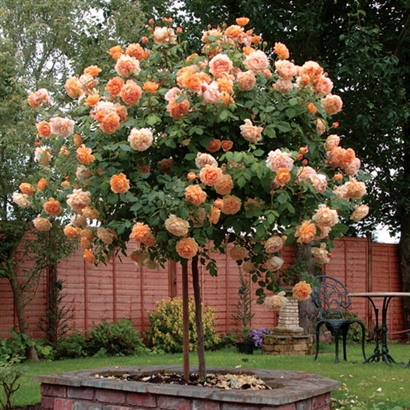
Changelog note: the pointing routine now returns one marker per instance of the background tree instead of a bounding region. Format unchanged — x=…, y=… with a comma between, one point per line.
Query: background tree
x=364, y=46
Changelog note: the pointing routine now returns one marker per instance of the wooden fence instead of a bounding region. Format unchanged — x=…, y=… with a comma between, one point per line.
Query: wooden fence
x=123, y=290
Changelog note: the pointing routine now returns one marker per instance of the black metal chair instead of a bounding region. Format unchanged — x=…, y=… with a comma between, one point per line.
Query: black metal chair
x=331, y=297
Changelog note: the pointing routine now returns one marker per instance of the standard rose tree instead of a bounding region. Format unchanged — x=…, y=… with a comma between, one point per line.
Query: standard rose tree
x=184, y=154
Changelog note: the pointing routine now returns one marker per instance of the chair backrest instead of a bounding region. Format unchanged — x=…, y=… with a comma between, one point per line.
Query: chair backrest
x=330, y=296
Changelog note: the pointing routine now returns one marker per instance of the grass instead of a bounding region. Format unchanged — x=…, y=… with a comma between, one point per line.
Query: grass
x=376, y=386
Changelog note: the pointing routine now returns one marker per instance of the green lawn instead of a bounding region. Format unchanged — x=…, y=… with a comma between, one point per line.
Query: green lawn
x=370, y=386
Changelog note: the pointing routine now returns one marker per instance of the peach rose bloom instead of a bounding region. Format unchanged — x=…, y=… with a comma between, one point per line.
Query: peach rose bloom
x=302, y=291
x=114, y=86
x=242, y=21
x=332, y=104
x=72, y=87
x=42, y=155
x=355, y=189
x=195, y=194
x=274, y=244
x=323, y=85
x=176, y=226
x=352, y=167
x=164, y=35
x=41, y=96
x=110, y=123
x=116, y=52
x=320, y=126
x=234, y=31
x=92, y=100
x=335, y=157
x=61, y=127
x=286, y=69
x=140, y=139
x=256, y=61
x=282, y=177
x=225, y=85
x=105, y=235
x=42, y=224
x=283, y=86
x=127, y=66
x=276, y=302
x=224, y=185
x=21, y=200
x=305, y=173
x=319, y=182
x=211, y=93
x=320, y=254
x=214, y=145
x=250, y=132
x=82, y=172
x=312, y=108
x=231, y=204
x=220, y=65
x=150, y=87
x=79, y=221
x=141, y=233
x=131, y=93
x=246, y=80
x=78, y=200
x=274, y=263
x=178, y=109
x=27, y=188
x=214, y=215
x=89, y=256
x=332, y=141
x=279, y=159
x=41, y=184
x=71, y=232
x=311, y=69
x=87, y=82
x=77, y=140
x=238, y=253
x=90, y=212
x=92, y=70
x=121, y=111
x=359, y=213
x=281, y=50
x=226, y=145
x=84, y=155
x=43, y=129
x=119, y=184
x=135, y=50
x=210, y=174
x=52, y=207
x=306, y=232
x=325, y=216
x=187, y=248
x=191, y=176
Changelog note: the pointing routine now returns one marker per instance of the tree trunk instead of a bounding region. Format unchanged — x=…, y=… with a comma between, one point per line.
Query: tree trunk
x=307, y=310
x=404, y=252
x=185, y=320
x=200, y=348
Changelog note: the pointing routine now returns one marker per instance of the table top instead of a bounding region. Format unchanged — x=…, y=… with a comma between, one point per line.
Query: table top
x=380, y=294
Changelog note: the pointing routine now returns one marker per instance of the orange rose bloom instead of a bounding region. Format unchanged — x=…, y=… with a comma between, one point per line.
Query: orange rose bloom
x=77, y=139
x=187, y=248
x=43, y=129
x=281, y=50
x=177, y=110
x=89, y=256
x=27, y=189
x=214, y=145
x=306, y=232
x=224, y=185
x=116, y=52
x=150, y=87
x=135, y=50
x=142, y=233
x=191, y=176
x=131, y=92
x=114, y=86
x=282, y=176
x=234, y=31
x=214, y=215
x=312, y=108
x=92, y=100
x=84, y=155
x=72, y=87
x=242, y=21
x=71, y=232
x=301, y=291
x=226, y=145
x=110, y=123
x=41, y=184
x=92, y=70
x=195, y=194
x=210, y=174
x=119, y=184
x=232, y=204
x=52, y=207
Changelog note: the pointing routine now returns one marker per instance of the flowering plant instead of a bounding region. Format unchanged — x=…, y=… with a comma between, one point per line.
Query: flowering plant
x=257, y=336
x=182, y=153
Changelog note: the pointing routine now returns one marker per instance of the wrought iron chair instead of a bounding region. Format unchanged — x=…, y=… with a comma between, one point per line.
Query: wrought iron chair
x=331, y=297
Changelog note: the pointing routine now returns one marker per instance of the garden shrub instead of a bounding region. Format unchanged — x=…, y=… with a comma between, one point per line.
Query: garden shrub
x=72, y=346
x=167, y=332
x=114, y=339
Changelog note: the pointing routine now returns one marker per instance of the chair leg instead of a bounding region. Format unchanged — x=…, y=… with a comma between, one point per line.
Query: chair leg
x=317, y=339
x=363, y=339
x=337, y=347
x=344, y=334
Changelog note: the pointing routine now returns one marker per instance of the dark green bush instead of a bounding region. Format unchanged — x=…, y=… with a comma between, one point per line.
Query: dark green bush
x=72, y=346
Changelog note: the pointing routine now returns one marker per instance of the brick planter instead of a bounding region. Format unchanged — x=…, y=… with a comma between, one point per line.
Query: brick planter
x=82, y=391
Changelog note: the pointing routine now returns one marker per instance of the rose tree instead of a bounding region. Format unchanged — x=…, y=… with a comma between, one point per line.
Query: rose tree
x=185, y=153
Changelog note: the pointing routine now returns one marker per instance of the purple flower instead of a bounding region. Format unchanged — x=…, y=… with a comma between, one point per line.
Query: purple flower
x=257, y=336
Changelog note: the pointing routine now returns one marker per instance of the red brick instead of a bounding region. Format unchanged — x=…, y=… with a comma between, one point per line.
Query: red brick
x=63, y=404
x=110, y=397
x=143, y=400
x=205, y=405
x=321, y=402
x=53, y=390
x=173, y=403
x=47, y=403
x=80, y=393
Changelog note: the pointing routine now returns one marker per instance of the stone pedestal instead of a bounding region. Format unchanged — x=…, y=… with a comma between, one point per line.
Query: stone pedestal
x=288, y=337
